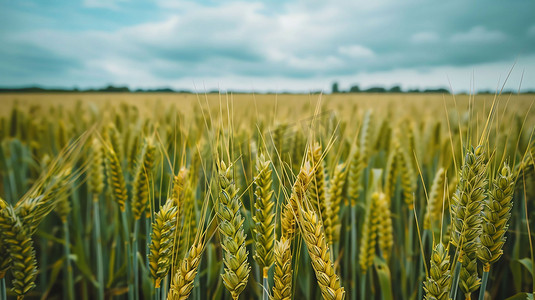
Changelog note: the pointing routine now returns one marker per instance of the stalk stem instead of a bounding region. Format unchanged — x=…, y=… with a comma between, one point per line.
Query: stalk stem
x=68, y=268
x=134, y=259
x=3, y=295
x=98, y=248
x=128, y=255
x=484, y=280
x=353, y=240
x=455, y=282
x=265, y=293
x=363, y=286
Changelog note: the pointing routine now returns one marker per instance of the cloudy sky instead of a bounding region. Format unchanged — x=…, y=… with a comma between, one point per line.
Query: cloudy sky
x=268, y=45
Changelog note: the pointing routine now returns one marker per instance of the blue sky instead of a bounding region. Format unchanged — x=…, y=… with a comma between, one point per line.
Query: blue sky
x=268, y=45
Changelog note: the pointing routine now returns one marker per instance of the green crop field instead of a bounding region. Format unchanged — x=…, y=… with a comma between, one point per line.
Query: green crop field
x=194, y=196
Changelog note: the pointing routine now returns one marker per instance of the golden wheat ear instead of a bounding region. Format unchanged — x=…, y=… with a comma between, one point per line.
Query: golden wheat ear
x=291, y=208
x=264, y=215
x=282, y=278
x=316, y=189
x=182, y=282
x=314, y=236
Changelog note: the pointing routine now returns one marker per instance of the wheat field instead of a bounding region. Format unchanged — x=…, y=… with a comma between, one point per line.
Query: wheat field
x=222, y=196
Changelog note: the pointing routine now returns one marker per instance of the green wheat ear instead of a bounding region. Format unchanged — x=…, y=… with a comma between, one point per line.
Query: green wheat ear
x=232, y=234
x=368, y=239
x=162, y=241
x=264, y=217
x=5, y=261
x=335, y=200
x=116, y=178
x=96, y=170
x=496, y=213
x=466, y=216
x=438, y=283
x=140, y=200
x=20, y=249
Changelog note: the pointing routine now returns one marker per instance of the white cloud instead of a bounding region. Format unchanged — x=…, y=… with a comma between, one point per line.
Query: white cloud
x=479, y=34
x=425, y=37
x=356, y=51
x=270, y=45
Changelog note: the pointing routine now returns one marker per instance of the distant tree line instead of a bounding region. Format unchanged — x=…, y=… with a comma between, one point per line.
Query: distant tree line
x=394, y=89
x=397, y=89
x=124, y=89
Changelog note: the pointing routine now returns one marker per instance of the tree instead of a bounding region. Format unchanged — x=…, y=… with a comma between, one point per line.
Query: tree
x=335, y=88
x=354, y=89
x=395, y=89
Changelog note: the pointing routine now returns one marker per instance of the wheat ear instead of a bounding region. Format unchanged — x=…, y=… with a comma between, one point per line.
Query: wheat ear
x=291, y=209
x=96, y=170
x=19, y=244
x=407, y=175
x=438, y=282
x=282, y=278
x=316, y=189
x=162, y=240
x=319, y=252
x=385, y=230
x=369, y=234
x=182, y=282
x=140, y=199
x=264, y=217
x=433, y=210
x=335, y=199
x=116, y=178
x=232, y=234
x=466, y=217
x=496, y=213
x=5, y=260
